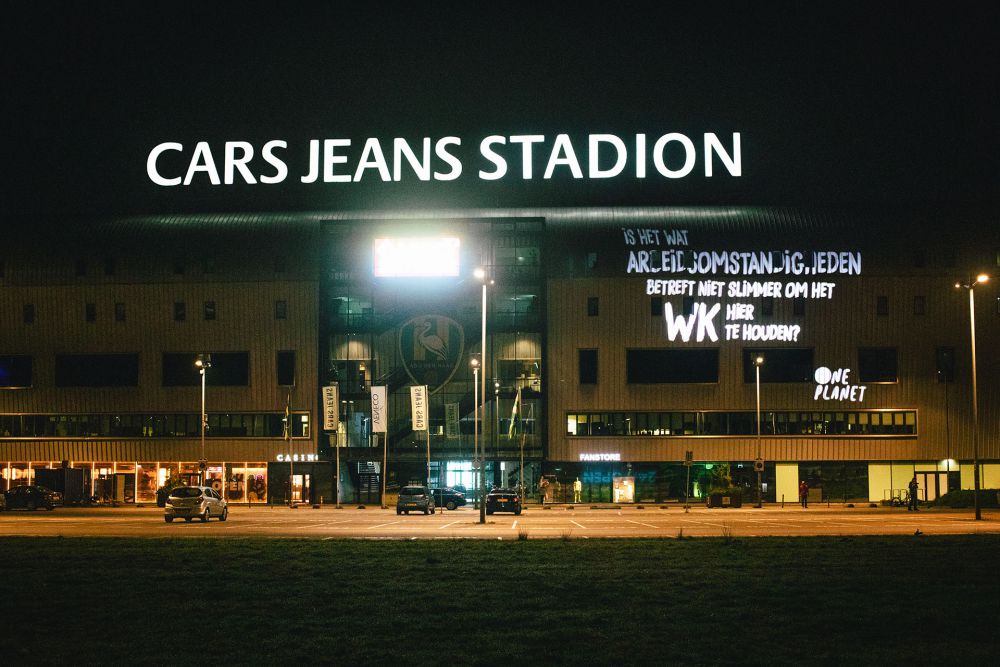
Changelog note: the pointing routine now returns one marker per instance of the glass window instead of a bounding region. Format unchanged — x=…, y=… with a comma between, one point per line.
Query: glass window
x=672, y=366
x=119, y=312
x=780, y=365
x=230, y=369
x=281, y=310
x=28, y=313
x=180, y=311
x=91, y=312
x=919, y=305
x=286, y=367
x=588, y=366
x=882, y=305
x=97, y=370
x=209, y=311
x=15, y=370
x=592, y=306
x=877, y=364
x=944, y=361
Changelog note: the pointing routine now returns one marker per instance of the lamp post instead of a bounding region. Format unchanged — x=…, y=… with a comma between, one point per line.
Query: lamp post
x=203, y=362
x=496, y=419
x=758, y=361
x=481, y=274
x=477, y=463
x=970, y=285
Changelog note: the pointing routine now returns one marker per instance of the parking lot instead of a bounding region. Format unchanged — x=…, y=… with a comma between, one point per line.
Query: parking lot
x=581, y=522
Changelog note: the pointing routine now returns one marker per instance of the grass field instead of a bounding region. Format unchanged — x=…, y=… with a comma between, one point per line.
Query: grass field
x=584, y=602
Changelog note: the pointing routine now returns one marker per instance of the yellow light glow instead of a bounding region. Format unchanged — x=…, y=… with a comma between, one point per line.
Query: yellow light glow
x=983, y=278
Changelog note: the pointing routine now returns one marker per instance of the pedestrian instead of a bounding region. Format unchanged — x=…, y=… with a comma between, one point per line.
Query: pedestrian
x=543, y=490
x=577, y=490
x=804, y=494
x=914, y=487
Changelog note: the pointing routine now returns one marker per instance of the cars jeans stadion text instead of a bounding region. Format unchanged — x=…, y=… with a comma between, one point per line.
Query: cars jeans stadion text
x=672, y=155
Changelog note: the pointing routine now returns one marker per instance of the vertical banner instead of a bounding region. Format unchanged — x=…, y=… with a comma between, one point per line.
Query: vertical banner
x=380, y=413
x=418, y=407
x=331, y=407
x=451, y=430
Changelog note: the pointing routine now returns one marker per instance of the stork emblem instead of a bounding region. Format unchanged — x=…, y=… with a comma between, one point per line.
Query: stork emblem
x=431, y=348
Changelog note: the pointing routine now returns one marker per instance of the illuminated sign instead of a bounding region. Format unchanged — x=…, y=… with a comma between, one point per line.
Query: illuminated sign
x=672, y=155
x=600, y=457
x=295, y=458
x=415, y=257
x=776, y=274
x=836, y=386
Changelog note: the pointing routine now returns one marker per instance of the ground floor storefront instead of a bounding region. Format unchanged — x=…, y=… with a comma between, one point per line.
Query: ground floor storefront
x=830, y=481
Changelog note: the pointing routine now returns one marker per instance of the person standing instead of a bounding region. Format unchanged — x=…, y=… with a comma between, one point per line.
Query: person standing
x=543, y=490
x=577, y=490
x=914, y=488
x=804, y=494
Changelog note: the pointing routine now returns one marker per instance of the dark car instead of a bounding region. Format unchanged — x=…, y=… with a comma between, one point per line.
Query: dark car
x=448, y=497
x=503, y=500
x=32, y=497
x=415, y=499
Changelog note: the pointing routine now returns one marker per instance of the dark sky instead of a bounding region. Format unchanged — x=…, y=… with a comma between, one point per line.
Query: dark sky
x=837, y=104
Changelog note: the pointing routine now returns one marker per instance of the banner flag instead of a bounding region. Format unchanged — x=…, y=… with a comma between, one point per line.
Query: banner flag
x=514, y=414
x=418, y=407
x=451, y=418
x=331, y=407
x=380, y=412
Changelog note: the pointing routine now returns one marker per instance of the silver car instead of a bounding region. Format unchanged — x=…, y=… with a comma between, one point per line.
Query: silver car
x=188, y=502
x=415, y=499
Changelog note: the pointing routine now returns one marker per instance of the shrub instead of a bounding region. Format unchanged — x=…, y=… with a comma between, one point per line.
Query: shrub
x=963, y=498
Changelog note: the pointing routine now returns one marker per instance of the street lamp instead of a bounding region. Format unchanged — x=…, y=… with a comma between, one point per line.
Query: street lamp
x=970, y=285
x=758, y=465
x=203, y=362
x=480, y=273
x=477, y=463
x=496, y=417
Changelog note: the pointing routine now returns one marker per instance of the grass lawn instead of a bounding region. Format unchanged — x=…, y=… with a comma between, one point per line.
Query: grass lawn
x=857, y=600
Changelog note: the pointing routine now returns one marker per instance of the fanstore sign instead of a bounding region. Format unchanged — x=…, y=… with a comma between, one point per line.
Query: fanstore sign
x=521, y=156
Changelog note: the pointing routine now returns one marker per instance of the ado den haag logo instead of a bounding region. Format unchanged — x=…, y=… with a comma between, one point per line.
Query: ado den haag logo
x=431, y=348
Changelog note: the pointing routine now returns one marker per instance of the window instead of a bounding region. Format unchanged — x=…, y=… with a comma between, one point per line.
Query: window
x=593, y=305
x=882, y=305
x=767, y=306
x=90, y=312
x=688, y=305
x=877, y=364
x=209, y=312
x=178, y=267
x=281, y=310
x=28, y=313
x=588, y=366
x=285, y=368
x=119, y=312
x=781, y=364
x=180, y=311
x=97, y=370
x=229, y=369
x=919, y=305
x=656, y=306
x=672, y=366
x=944, y=362
x=109, y=266
x=798, y=306
x=15, y=371
x=591, y=263
x=80, y=268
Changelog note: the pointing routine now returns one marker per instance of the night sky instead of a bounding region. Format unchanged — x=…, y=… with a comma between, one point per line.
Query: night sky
x=892, y=105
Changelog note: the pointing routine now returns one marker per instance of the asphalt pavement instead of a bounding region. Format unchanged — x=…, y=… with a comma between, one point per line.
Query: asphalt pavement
x=558, y=521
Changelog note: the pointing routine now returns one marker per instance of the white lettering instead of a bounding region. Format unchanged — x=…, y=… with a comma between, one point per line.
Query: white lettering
x=154, y=155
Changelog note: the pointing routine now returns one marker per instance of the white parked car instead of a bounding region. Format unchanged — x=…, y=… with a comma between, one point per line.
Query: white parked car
x=188, y=502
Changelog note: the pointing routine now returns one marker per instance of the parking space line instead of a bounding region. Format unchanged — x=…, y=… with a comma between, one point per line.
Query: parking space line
x=641, y=523
x=449, y=524
x=513, y=525
x=577, y=524
x=382, y=524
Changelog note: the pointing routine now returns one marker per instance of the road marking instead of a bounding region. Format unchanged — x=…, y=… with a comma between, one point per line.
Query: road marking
x=577, y=524
x=641, y=523
x=513, y=525
x=382, y=524
x=449, y=524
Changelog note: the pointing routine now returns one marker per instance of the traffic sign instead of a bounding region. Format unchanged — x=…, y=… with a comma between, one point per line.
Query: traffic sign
x=758, y=465
x=203, y=464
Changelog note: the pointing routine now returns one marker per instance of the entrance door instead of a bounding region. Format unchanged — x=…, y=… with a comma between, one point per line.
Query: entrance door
x=624, y=488
x=932, y=485
x=300, y=488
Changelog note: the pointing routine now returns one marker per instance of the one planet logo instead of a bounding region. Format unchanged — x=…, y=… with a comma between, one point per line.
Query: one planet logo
x=835, y=385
